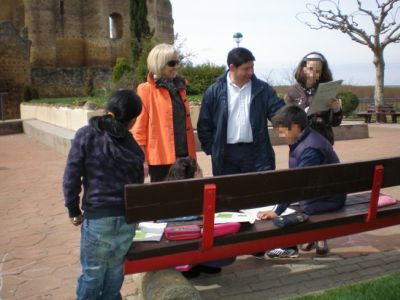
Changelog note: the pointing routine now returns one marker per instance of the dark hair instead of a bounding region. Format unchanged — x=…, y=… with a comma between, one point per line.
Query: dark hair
x=183, y=168
x=288, y=115
x=122, y=107
x=326, y=74
x=238, y=56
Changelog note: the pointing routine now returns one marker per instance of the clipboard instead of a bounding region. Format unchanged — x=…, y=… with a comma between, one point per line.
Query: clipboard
x=325, y=92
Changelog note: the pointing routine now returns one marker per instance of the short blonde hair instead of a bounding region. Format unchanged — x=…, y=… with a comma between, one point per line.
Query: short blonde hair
x=158, y=58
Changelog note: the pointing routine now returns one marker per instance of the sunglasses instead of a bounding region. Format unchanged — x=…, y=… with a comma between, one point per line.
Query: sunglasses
x=173, y=63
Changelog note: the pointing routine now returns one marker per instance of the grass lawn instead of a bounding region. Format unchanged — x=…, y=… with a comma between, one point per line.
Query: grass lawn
x=385, y=288
x=74, y=101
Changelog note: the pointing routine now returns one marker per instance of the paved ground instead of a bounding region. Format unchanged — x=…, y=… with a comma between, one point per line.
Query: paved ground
x=39, y=248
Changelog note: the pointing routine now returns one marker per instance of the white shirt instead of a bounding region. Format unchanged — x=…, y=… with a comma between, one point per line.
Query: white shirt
x=239, y=127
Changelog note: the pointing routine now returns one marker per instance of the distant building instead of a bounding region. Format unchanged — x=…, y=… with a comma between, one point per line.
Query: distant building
x=58, y=45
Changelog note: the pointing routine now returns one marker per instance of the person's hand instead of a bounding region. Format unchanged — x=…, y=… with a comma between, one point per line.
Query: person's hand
x=335, y=104
x=266, y=215
x=145, y=169
x=76, y=221
x=199, y=172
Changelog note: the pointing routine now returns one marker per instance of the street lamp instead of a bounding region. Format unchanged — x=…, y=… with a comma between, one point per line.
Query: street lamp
x=237, y=37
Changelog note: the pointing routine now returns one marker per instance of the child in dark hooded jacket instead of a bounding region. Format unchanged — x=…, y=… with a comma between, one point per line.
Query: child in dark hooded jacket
x=103, y=158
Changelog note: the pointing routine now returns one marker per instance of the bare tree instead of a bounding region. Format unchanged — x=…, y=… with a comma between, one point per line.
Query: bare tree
x=288, y=75
x=385, y=29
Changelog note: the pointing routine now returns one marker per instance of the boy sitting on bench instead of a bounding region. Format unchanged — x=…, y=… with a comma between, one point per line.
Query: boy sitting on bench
x=307, y=148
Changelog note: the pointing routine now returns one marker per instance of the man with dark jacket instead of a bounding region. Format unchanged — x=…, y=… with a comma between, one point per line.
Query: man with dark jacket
x=232, y=124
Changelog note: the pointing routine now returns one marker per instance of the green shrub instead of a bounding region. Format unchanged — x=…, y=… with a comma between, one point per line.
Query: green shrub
x=89, y=88
x=350, y=102
x=103, y=93
x=200, y=77
x=141, y=66
x=194, y=99
x=120, y=69
x=30, y=93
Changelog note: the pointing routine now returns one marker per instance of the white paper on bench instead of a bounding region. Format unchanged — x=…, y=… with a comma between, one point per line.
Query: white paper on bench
x=229, y=216
x=253, y=211
x=149, y=231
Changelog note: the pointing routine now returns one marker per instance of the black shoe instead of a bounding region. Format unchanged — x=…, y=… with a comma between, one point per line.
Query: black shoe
x=259, y=255
x=209, y=270
x=324, y=250
x=309, y=246
x=192, y=273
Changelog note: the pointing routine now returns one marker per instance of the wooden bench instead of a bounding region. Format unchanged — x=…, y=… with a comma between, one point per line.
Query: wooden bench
x=381, y=112
x=229, y=193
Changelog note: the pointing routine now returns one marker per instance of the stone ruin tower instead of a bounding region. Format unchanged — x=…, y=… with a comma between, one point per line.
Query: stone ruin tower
x=58, y=45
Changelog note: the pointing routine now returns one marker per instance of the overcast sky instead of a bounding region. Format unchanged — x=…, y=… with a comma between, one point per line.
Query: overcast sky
x=276, y=38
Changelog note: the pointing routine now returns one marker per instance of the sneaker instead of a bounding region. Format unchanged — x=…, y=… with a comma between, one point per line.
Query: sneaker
x=283, y=253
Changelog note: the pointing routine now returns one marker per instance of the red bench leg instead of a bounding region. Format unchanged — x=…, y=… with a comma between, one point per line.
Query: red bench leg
x=376, y=187
x=208, y=216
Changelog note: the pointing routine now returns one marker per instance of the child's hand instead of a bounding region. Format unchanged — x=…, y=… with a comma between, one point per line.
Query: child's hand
x=266, y=215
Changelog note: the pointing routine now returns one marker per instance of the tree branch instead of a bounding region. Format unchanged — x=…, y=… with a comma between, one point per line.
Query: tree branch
x=328, y=14
x=392, y=37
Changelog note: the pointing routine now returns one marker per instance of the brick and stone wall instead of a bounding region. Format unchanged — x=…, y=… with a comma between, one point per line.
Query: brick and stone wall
x=14, y=69
x=70, y=42
x=64, y=82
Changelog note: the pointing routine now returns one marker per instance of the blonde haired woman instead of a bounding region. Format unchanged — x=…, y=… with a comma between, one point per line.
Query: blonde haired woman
x=164, y=128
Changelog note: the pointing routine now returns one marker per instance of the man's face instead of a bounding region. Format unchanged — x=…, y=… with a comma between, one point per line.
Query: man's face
x=290, y=135
x=242, y=74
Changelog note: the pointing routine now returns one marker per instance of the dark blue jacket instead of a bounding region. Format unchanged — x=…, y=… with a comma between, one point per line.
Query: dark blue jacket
x=213, y=118
x=313, y=149
x=103, y=164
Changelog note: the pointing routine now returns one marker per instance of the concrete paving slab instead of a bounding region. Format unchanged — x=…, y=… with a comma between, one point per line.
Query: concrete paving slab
x=39, y=248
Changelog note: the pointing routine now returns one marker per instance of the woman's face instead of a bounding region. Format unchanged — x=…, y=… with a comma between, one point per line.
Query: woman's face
x=312, y=71
x=170, y=70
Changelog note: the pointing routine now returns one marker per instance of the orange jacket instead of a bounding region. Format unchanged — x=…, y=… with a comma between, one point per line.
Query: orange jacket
x=154, y=130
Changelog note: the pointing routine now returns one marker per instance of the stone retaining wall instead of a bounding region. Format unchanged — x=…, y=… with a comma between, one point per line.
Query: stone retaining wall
x=66, y=117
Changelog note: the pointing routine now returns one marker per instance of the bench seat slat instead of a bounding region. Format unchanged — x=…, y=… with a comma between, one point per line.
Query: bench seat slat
x=354, y=211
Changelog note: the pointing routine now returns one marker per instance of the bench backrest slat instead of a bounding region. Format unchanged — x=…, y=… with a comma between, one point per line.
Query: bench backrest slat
x=386, y=108
x=179, y=198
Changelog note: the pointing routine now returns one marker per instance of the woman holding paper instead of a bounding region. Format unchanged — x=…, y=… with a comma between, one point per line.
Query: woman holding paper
x=312, y=70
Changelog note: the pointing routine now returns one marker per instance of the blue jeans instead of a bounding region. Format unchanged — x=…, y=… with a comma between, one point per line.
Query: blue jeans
x=104, y=244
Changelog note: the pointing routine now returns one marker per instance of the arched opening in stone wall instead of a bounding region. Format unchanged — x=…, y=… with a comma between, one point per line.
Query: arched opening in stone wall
x=115, y=26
